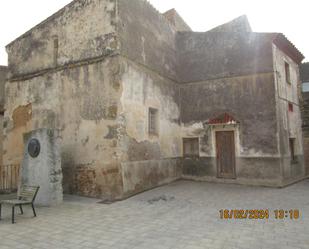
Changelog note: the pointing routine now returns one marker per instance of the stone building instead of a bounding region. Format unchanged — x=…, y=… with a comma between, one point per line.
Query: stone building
x=3, y=170
x=3, y=75
x=141, y=100
x=304, y=75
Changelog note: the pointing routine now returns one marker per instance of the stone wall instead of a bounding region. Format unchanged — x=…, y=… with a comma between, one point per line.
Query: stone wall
x=84, y=29
x=240, y=24
x=94, y=69
x=44, y=168
x=213, y=55
x=289, y=122
x=1, y=140
x=147, y=37
x=64, y=74
x=3, y=76
x=148, y=160
x=82, y=102
x=148, y=81
x=88, y=95
x=176, y=20
x=251, y=101
x=304, y=73
x=306, y=155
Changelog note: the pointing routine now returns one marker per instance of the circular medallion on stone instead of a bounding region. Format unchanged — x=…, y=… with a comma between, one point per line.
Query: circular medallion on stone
x=34, y=148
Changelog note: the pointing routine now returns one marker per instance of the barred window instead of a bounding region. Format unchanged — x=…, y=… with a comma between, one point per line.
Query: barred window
x=153, y=121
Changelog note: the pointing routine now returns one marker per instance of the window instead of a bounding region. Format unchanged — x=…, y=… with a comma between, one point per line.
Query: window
x=291, y=107
x=191, y=147
x=305, y=87
x=287, y=73
x=153, y=120
x=292, y=148
x=56, y=47
x=56, y=43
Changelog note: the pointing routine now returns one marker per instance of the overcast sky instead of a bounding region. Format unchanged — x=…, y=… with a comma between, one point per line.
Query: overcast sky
x=288, y=17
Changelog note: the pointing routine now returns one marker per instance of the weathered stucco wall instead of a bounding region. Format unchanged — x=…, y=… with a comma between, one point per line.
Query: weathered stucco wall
x=213, y=55
x=83, y=103
x=304, y=76
x=251, y=101
x=306, y=155
x=289, y=122
x=148, y=80
x=3, y=76
x=64, y=75
x=1, y=139
x=83, y=29
x=95, y=68
x=148, y=160
x=305, y=128
x=147, y=37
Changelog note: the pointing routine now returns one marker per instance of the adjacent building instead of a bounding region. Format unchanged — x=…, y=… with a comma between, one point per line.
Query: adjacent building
x=142, y=100
x=304, y=75
x=3, y=171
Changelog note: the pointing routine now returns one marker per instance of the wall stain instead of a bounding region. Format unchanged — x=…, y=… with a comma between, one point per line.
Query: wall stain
x=22, y=115
x=112, y=132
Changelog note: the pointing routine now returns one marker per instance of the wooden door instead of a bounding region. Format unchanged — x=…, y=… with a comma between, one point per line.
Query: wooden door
x=225, y=146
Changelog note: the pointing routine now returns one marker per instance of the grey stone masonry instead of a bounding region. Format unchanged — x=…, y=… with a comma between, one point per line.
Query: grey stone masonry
x=45, y=169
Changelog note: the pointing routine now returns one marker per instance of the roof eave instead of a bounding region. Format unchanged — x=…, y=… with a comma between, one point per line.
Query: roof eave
x=282, y=42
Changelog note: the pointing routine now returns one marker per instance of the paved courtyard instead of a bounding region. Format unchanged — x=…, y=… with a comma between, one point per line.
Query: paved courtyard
x=183, y=214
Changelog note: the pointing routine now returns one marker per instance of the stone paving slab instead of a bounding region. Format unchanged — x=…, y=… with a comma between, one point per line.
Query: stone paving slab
x=182, y=215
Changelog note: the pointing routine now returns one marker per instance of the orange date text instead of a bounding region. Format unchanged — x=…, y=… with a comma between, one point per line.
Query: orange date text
x=244, y=214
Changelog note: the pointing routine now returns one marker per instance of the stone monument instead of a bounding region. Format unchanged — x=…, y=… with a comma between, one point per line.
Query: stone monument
x=41, y=165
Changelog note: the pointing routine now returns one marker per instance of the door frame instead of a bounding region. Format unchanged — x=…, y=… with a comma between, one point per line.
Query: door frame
x=233, y=174
x=235, y=129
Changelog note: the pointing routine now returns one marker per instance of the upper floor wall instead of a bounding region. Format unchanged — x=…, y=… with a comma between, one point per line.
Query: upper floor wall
x=287, y=76
x=81, y=30
x=88, y=29
x=288, y=93
x=147, y=37
x=213, y=55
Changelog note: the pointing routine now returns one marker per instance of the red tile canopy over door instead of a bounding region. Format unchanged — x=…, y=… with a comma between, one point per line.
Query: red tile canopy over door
x=225, y=146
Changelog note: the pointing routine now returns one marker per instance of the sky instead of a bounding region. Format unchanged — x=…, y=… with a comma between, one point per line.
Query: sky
x=288, y=17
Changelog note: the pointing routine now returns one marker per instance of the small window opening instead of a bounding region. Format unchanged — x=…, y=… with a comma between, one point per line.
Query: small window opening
x=56, y=48
x=291, y=107
x=287, y=73
x=191, y=147
x=292, y=149
x=153, y=121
